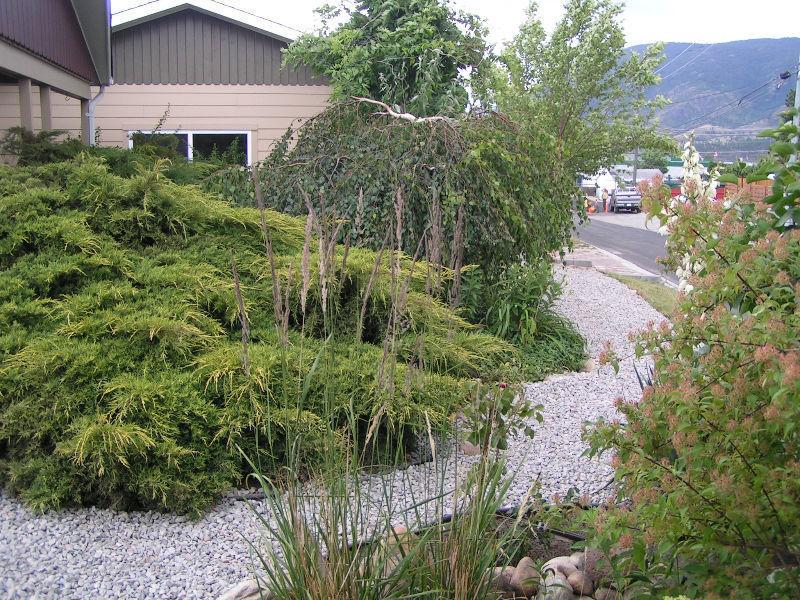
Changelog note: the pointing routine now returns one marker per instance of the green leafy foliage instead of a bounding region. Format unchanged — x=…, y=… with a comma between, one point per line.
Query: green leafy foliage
x=123, y=378
x=518, y=306
x=578, y=85
x=709, y=455
x=516, y=200
x=653, y=159
x=407, y=53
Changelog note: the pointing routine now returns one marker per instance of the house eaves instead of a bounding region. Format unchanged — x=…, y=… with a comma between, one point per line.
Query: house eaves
x=94, y=18
x=183, y=7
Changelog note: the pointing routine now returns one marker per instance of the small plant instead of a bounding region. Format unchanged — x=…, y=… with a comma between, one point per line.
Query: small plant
x=519, y=307
x=496, y=413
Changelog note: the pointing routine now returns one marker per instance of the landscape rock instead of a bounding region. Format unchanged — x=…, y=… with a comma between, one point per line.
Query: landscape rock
x=578, y=559
x=525, y=580
x=500, y=580
x=588, y=366
x=596, y=565
x=581, y=583
x=606, y=594
x=470, y=449
x=249, y=589
x=560, y=564
x=555, y=586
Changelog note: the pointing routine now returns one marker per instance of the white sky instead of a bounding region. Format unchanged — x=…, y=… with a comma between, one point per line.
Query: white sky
x=645, y=21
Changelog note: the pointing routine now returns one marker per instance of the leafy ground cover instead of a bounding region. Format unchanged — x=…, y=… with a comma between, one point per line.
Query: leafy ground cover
x=126, y=379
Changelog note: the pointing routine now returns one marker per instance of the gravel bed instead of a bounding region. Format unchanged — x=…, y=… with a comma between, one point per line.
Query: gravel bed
x=93, y=553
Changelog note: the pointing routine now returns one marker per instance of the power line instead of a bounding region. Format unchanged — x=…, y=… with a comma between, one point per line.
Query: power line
x=733, y=103
x=669, y=62
x=258, y=16
x=741, y=102
x=686, y=64
x=241, y=10
x=753, y=135
x=119, y=12
x=707, y=95
x=740, y=151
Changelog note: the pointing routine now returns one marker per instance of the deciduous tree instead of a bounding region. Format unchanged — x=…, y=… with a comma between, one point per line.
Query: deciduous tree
x=410, y=53
x=581, y=85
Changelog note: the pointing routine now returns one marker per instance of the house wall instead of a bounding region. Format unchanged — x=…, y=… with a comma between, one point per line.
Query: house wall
x=66, y=111
x=50, y=30
x=191, y=47
x=264, y=110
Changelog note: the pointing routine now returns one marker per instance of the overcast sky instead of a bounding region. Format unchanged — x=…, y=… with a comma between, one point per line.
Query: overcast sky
x=645, y=21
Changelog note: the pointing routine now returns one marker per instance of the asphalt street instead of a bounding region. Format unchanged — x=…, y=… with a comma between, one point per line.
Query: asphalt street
x=639, y=246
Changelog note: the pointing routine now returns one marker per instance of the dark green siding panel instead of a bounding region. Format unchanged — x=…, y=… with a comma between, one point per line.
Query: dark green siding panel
x=224, y=56
x=190, y=50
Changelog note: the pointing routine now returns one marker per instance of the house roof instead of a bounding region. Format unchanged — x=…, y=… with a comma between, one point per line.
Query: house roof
x=184, y=7
x=190, y=45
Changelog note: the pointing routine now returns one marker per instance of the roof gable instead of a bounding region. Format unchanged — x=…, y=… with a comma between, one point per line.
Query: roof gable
x=52, y=30
x=191, y=7
x=188, y=45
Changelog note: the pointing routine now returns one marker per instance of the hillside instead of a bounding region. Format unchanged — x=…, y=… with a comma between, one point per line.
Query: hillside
x=706, y=82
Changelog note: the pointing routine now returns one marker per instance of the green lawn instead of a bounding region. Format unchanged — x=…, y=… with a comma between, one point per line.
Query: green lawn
x=659, y=296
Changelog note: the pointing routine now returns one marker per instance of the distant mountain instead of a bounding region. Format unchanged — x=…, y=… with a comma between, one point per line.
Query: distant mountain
x=731, y=89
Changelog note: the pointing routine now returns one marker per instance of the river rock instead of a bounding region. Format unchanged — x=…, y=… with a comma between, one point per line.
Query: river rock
x=560, y=564
x=578, y=559
x=555, y=586
x=470, y=449
x=249, y=589
x=606, y=594
x=596, y=565
x=526, y=578
x=500, y=578
x=581, y=584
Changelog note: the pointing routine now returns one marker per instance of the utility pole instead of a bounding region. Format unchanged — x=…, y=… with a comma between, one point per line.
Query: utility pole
x=796, y=101
x=635, y=164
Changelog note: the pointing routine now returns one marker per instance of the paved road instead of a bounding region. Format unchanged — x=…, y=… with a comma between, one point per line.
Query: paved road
x=639, y=246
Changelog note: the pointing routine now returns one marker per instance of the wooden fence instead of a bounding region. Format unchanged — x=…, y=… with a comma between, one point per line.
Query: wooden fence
x=758, y=190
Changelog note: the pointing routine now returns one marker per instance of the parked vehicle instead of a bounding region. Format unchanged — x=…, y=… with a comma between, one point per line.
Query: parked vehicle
x=626, y=199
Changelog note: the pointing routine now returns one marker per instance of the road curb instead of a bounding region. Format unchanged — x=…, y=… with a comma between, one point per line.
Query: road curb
x=630, y=270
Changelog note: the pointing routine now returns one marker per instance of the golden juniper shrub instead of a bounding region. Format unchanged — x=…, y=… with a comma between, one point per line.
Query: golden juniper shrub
x=121, y=378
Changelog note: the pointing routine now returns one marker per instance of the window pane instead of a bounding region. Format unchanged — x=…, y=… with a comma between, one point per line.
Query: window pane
x=177, y=142
x=227, y=147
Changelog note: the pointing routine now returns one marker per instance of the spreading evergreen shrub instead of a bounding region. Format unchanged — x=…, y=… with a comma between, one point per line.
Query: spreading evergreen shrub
x=123, y=377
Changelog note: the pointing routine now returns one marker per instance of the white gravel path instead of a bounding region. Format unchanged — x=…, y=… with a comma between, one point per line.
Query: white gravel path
x=91, y=553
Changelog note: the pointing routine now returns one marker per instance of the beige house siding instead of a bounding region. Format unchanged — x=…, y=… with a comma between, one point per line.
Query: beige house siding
x=265, y=111
x=66, y=111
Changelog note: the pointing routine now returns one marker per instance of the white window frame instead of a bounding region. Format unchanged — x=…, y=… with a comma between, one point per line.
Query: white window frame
x=190, y=141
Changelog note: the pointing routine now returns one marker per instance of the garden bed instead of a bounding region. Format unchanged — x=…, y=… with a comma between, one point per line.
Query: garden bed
x=84, y=552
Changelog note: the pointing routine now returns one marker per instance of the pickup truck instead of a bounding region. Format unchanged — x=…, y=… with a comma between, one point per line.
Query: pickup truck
x=626, y=199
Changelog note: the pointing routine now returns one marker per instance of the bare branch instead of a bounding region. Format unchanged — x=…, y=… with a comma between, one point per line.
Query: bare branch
x=389, y=112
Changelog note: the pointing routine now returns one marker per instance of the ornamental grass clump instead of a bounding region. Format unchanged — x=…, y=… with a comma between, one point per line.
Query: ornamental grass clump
x=334, y=538
x=709, y=456
x=147, y=329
